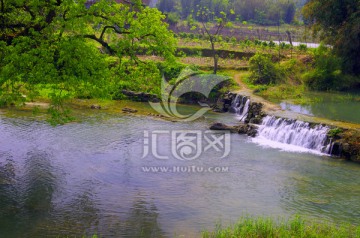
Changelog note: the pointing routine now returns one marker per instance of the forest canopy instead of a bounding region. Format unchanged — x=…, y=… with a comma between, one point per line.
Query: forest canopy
x=268, y=12
x=338, y=24
x=77, y=49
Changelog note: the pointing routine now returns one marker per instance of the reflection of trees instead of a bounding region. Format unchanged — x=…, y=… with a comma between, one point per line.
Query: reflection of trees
x=140, y=222
x=76, y=218
x=25, y=201
x=29, y=208
x=38, y=184
x=8, y=194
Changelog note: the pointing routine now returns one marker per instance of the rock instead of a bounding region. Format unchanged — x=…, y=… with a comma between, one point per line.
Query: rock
x=129, y=110
x=255, y=120
x=222, y=127
x=252, y=132
x=95, y=107
x=248, y=129
x=255, y=111
x=226, y=107
x=227, y=100
x=346, y=147
x=243, y=129
x=219, y=126
x=336, y=149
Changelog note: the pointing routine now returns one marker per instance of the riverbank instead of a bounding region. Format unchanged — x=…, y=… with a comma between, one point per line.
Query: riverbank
x=295, y=227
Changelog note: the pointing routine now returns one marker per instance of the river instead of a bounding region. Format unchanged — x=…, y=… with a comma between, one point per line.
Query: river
x=88, y=178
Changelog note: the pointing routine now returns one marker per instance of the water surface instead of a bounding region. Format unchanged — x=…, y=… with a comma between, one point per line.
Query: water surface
x=334, y=106
x=86, y=178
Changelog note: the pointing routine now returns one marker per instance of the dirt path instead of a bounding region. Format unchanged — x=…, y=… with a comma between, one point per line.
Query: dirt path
x=268, y=106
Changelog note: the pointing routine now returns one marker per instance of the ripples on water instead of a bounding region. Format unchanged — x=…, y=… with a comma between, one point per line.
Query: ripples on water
x=81, y=179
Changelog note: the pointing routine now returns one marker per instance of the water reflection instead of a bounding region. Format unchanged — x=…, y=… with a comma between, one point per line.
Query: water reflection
x=86, y=178
x=26, y=193
x=141, y=221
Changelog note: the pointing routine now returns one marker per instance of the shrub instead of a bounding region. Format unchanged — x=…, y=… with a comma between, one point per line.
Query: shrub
x=302, y=47
x=173, y=18
x=170, y=70
x=283, y=45
x=263, y=70
x=327, y=74
x=334, y=132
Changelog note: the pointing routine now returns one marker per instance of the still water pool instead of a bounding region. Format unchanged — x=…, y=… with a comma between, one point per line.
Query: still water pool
x=88, y=178
x=332, y=106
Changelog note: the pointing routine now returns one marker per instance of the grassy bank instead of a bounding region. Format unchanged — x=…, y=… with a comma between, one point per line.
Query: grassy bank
x=295, y=227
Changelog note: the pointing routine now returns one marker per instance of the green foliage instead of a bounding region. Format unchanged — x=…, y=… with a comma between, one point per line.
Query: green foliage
x=338, y=23
x=303, y=47
x=272, y=44
x=171, y=70
x=204, y=15
x=173, y=18
x=295, y=227
x=79, y=51
x=326, y=74
x=268, y=12
x=263, y=70
x=334, y=132
x=283, y=45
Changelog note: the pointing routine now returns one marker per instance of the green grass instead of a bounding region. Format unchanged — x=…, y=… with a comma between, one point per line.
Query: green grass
x=295, y=227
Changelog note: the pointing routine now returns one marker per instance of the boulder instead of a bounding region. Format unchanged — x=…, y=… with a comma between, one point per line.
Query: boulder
x=255, y=120
x=222, y=127
x=248, y=129
x=129, y=110
x=255, y=111
x=95, y=107
x=252, y=132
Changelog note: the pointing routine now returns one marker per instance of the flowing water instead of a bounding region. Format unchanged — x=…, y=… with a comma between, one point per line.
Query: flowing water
x=88, y=178
x=240, y=106
x=293, y=135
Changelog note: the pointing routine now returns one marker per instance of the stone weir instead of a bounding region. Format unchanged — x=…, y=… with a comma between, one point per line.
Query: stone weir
x=256, y=122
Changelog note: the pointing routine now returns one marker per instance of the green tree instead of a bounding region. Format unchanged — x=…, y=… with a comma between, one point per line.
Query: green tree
x=72, y=48
x=210, y=27
x=263, y=70
x=338, y=24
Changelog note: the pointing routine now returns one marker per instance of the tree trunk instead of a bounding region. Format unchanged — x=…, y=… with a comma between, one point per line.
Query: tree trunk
x=215, y=56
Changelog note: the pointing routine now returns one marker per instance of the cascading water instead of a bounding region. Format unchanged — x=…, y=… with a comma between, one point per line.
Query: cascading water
x=293, y=135
x=240, y=106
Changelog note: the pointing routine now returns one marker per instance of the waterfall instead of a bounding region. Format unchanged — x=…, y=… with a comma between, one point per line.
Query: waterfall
x=240, y=106
x=293, y=135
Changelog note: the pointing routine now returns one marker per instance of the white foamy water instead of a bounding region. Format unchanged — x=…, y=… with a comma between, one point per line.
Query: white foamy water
x=292, y=135
x=240, y=106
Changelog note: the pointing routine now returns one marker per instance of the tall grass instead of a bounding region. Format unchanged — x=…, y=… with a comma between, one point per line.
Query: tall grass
x=295, y=227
